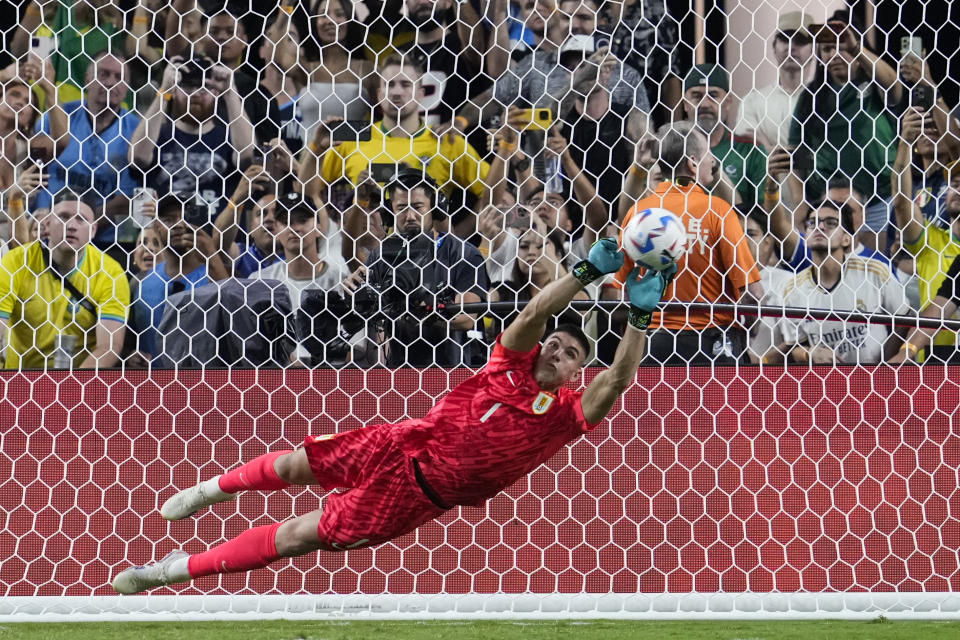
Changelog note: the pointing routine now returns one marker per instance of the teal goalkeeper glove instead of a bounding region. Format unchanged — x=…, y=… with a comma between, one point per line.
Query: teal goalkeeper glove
x=605, y=257
x=645, y=294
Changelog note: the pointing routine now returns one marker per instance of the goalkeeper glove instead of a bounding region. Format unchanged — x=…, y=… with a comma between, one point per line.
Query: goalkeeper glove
x=645, y=294
x=605, y=257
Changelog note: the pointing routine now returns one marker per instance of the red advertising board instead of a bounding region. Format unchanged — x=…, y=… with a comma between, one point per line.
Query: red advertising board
x=708, y=480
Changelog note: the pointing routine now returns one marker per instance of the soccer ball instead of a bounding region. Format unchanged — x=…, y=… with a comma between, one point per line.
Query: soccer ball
x=654, y=238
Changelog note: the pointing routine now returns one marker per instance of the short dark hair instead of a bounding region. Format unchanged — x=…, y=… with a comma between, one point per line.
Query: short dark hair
x=758, y=215
x=172, y=202
x=400, y=61
x=844, y=209
x=678, y=141
x=67, y=194
x=574, y=332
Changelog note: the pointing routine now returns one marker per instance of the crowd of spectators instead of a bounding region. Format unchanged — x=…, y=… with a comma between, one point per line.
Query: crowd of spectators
x=364, y=168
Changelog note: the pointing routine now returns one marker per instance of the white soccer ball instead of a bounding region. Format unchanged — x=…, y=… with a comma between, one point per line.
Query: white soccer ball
x=654, y=238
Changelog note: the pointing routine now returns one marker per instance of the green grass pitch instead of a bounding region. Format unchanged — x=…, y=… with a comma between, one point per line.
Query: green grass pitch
x=880, y=629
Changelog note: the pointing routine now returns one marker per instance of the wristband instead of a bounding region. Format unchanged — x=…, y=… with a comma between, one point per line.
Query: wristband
x=314, y=147
x=463, y=122
x=33, y=10
x=585, y=272
x=909, y=346
x=506, y=146
x=140, y=20
x=639, y=319
x=163, y=94
x=772, y=196
x=637, y=171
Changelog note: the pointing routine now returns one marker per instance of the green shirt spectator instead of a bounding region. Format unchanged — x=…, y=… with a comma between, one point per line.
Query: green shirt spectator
x=708, y=102
x=850, y=130
x=81, y=35
x=745, y=164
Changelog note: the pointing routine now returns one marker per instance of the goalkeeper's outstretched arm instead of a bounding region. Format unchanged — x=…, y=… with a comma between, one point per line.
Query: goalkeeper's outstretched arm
x=645, y=294
x=525, y=332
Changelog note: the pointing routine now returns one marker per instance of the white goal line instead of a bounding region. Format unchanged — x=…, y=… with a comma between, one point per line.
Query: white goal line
x=525, y=606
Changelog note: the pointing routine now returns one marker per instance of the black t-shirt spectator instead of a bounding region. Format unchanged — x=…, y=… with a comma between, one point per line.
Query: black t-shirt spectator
x=194, y=163
x=406, y=272
x=600, y=149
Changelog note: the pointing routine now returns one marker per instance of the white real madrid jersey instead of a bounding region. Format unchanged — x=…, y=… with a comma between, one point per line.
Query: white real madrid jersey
x=866, y=286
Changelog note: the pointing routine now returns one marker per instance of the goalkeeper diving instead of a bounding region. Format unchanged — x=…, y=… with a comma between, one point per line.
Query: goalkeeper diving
x=484, y=435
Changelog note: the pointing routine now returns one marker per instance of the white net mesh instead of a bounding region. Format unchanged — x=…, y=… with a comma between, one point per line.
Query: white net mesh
x=230, y=226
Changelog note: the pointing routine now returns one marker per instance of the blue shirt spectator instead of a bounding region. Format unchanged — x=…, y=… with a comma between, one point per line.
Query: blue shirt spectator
x=152, y=295
x=95, y=161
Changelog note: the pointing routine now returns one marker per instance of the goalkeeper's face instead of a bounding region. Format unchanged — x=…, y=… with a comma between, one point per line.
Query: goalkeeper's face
x=560, y=361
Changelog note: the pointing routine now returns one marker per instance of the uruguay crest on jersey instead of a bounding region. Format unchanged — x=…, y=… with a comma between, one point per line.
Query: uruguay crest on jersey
x=542, y=403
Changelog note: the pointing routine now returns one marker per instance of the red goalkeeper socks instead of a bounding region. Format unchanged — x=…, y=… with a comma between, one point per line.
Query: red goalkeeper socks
x=252, y=549
x=258, y=474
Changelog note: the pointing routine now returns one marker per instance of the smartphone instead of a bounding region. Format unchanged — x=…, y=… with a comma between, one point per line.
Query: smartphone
x=351, y=131
x=922, y=96
x=260, y=155
x=578, y=42
x=538, y=118
x=518, y=218
x=802, y=159
x=141, y=196
x=910, y=44
x=382, y=173
x=41, y=46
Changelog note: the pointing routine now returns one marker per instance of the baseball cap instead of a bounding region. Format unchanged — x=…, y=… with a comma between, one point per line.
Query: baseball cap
x=794, y=22
x=293, y=205
x=703, y=75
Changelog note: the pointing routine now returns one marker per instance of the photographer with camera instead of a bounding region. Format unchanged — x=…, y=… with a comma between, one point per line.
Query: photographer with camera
x=181, y=145
x=416, y=272
x=188, y=260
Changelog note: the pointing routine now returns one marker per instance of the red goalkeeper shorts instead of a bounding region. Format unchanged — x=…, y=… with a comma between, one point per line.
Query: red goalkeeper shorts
x=382, y=500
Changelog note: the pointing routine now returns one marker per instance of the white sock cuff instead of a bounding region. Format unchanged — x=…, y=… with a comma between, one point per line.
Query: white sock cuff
x=179, y=570
x=212, y=488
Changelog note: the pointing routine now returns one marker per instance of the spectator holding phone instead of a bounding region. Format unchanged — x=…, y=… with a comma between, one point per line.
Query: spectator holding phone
x=83, y=30
x=543, y=78
x=933, y=247
x=338, y=85
x=647, y=38
x=843, y=120
x=188, y=261
x=182, y=145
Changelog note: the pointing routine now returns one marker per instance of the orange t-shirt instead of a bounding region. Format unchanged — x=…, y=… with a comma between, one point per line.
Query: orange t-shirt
x=717, y=263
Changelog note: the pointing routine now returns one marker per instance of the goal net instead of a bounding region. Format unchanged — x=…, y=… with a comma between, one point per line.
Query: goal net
x=213, y=247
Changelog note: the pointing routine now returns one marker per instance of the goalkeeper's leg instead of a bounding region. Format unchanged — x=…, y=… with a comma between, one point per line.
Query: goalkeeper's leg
x=252, y=549
x=272, y=471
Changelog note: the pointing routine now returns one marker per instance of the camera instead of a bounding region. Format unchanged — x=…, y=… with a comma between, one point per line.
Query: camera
x=192, y=72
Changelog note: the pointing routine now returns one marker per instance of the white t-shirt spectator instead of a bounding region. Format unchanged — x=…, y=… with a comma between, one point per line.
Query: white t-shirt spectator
x=768, y=110
x=329, y=279
x=866, y=286
x=765, y=333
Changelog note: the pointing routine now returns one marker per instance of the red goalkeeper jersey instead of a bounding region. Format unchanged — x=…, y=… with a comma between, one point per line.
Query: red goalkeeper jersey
x=492, y=429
